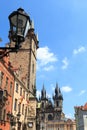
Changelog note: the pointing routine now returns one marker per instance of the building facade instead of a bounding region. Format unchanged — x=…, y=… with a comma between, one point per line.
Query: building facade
x=20, y=104
x=6, y=92
x=50, y=114
x=81, y=117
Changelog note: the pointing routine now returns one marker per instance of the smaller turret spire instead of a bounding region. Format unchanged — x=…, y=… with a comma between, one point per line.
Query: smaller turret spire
x=43, y=93
x=57, y=94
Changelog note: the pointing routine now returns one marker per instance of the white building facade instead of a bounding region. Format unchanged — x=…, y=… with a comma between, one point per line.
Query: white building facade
x=81, y=117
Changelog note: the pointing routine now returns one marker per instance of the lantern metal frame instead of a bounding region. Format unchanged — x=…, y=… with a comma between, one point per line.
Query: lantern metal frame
x=20, y=23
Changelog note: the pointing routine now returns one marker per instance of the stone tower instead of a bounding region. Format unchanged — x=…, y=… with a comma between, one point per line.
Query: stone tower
x=24, y=61
x=43, y=98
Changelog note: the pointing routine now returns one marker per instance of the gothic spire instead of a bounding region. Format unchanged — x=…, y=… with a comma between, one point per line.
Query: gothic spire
x=58, y=94
x=43, y=93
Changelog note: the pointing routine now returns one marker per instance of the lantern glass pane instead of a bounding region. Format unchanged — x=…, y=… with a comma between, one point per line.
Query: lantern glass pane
x=21, y=21
x=14, y=20
x=20, y=31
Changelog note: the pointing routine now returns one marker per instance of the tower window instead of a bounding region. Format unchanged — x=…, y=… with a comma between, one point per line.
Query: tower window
x=33, y=68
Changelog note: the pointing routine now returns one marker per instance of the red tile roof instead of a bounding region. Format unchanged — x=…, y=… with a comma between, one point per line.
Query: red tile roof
x=82, y=107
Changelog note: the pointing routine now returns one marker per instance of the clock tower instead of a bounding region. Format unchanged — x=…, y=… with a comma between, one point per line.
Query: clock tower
x=24, y=61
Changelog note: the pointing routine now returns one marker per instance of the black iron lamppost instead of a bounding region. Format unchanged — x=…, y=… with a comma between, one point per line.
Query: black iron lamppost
x=10, y=116
x=13, y=120
x=19, y=25
x=18, y=118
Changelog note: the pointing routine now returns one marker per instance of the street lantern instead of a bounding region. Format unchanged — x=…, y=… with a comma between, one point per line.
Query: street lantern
x=18, y=116
x=19, y=25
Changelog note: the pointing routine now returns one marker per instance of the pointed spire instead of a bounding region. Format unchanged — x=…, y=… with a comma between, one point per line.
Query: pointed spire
x=56, y=90
x=43, y=93
x=58, y=94
x=59, y=90
x=56, y=85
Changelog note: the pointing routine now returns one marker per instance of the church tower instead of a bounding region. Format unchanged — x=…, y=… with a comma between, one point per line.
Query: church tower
x=50, y=115
x=58, y=99
x=43, y=98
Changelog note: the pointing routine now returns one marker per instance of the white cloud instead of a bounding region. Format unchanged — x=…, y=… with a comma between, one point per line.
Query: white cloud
x=38, y=94
x=70, y=116
x=48, y=95
x=45, y=57
x=66, y=89
x=65, y=63
x=82, y=92
x=51, y=67
x=79, y=50
x=53, y=88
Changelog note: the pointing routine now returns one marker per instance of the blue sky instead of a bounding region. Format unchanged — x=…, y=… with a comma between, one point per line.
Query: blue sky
x=62, y=57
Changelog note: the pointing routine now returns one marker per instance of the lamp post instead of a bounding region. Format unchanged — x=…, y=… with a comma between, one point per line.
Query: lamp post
x=18, y=118
x=11, y=119
x=19, y=25
x=13, y=122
